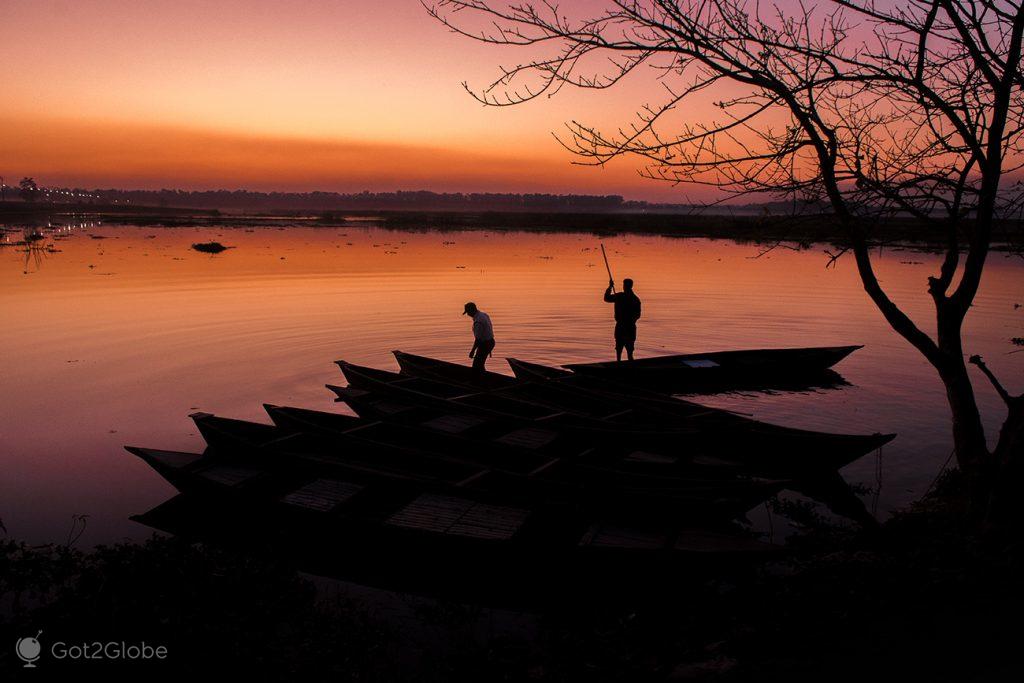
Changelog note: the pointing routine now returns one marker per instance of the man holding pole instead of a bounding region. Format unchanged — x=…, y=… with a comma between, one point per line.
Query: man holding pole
x=627, y=312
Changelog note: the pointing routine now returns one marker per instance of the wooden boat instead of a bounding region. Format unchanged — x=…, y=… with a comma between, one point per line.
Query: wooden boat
x=490, y=433
x=564, y=391
x=808, y=471
x=561, y=392
x=532, y=372
x=409, y=520
x=724, y=370
x=510, y=447
x=597, y=557
x=551, y=402
x=357, y=504
x=452, y=373
x=683, y=431
x=448, y=473
x=811, y=359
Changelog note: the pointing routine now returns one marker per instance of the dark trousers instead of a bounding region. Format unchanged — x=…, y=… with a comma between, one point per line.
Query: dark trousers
x=483, y=349
x=625, y=336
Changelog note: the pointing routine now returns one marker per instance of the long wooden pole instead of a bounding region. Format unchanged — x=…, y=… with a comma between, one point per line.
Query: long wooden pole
x=608, y=268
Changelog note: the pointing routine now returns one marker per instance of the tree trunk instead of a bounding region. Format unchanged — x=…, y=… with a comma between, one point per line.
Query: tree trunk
x=1004, y=510
x=969, y=443
x=1010, y=448
x=968, y=433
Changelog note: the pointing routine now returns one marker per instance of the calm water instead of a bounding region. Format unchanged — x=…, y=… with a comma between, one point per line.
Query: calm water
x=117, y=333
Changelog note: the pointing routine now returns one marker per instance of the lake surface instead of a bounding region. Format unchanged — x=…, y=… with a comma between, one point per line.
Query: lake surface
x=115, y=334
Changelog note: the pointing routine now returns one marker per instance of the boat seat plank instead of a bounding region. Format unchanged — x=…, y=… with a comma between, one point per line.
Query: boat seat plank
x=390, y=407
x=228, y=475
x=654, y=458
x=474, y=478
x=322, y=495
x=545, y=466
x=174, y=459
x=609, y=536
x=453, y=424
x=459, y=517
x=700, y=363
x=528, y=437
x=712, y=461
x=699, y=540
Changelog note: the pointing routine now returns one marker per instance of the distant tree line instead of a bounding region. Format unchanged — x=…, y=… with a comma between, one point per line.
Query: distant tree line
x=247, y=200
x=418, y=200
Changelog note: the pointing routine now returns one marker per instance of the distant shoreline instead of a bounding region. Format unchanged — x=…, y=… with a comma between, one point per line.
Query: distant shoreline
x=766, y=229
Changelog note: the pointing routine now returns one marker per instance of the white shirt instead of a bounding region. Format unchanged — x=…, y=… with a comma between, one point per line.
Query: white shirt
x=482, y=330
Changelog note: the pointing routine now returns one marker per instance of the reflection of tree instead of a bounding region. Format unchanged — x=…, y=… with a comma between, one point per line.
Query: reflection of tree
x=867, y=110
x=35, y=250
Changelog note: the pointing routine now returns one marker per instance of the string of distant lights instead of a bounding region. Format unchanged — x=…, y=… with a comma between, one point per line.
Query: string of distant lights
x=51, y=193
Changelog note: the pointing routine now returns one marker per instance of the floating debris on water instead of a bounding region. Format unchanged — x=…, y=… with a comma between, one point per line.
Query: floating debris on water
x=210, y=247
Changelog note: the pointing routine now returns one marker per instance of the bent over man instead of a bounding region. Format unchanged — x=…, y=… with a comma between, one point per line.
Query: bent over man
x=483, y=336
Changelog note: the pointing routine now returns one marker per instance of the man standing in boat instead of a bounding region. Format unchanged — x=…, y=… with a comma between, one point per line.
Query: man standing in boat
x=483, y=336
x=627, y=312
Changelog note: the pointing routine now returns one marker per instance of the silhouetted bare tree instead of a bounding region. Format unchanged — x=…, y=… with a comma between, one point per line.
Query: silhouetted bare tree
x=874, y=109
x=28, y=189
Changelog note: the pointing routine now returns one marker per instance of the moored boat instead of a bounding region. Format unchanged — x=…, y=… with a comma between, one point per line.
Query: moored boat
x=339, y=513
x=725, y=370
x=560, y=480
x=685, y=428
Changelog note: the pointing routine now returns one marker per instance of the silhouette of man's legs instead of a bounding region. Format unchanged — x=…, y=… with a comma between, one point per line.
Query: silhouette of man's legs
x=480, y=358
x=625, y=336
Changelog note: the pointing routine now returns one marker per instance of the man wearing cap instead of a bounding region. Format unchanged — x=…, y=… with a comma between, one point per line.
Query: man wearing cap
x=627, y=312
x=483, y=336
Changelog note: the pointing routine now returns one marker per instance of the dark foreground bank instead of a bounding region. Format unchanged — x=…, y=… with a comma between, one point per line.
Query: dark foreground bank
x=922, y=600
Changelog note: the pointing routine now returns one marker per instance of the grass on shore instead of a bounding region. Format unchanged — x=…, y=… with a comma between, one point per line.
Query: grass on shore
x=924, y=599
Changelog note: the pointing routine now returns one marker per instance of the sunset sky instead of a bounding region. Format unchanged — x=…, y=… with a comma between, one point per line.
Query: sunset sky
x=298, y=95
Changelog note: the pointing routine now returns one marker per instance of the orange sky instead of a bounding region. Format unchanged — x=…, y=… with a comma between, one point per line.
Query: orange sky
x=296, y=95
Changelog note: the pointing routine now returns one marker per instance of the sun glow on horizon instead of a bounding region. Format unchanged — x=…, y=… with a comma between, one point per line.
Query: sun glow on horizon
x=305, y=96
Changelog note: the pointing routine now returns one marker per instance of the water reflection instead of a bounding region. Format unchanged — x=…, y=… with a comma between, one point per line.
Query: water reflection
x=115, y=340
x=37, y=240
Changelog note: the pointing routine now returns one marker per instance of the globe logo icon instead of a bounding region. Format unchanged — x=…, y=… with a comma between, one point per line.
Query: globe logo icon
x=28, y=650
